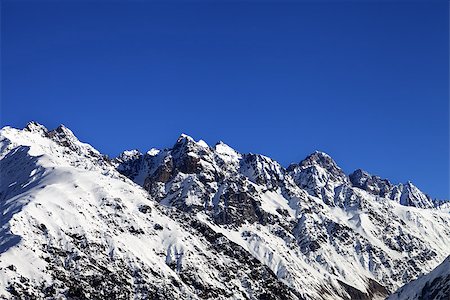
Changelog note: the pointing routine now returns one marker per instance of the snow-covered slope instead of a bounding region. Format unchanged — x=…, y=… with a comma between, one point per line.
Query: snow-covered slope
x=73, y=227
x=434, y=285
x=194, y=221
x=335, y=226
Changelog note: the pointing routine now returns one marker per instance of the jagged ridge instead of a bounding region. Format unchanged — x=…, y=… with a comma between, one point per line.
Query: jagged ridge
x=319, y=233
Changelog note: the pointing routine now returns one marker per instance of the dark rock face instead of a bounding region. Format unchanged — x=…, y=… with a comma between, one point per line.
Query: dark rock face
x=237, y=207
x=406, y=194
x=130, y=165
x=375, y=289
x=370, y=183
x=164, y=171
x=187, y=156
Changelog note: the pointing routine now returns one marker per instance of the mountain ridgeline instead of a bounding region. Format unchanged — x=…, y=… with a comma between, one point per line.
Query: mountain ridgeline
x=200, y=222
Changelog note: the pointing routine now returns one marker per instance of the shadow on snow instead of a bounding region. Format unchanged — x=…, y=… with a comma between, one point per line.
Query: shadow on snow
x=19, y=173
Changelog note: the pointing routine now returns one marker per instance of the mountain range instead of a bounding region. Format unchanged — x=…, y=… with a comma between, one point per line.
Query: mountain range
x=195, y=221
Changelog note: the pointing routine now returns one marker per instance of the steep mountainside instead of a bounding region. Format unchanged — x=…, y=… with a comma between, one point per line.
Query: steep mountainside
x=74, y=227
x=194, y=221
x=434, y=285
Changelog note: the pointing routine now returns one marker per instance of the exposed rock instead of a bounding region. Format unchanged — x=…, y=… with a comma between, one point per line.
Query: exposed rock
x=209, y=223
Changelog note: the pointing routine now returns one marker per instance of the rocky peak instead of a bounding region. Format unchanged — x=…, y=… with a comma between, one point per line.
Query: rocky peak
x=64, y=131
x=218, y=180
x=359, y=177
x=370, y=183
x=33, y=126
x=406, y=194
x=226, y=153
x=153, y=152
x=262, y=170
x=186, y=141
x=188, y=154
x=323, y=160
x=190, y=165
x=128, y=155
x=412, y=196
x=319, y=175
x=65, y=137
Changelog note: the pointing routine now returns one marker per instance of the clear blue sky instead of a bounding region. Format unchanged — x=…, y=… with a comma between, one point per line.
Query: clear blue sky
x=365, y=82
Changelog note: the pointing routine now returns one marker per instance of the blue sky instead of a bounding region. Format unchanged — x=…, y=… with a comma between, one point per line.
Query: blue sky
x=366, y=82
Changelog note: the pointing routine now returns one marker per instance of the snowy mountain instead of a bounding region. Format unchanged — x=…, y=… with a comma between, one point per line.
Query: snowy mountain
x=201, y=222
x=434, y=285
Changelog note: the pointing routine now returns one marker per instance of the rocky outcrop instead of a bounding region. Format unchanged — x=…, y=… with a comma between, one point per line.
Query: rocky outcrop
x=319, y=175
x=370, y=183
x=406, y=194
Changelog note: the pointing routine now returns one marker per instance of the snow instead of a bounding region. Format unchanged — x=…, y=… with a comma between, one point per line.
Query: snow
x=227, y=153
x=153, y=152
x=273, y=201
x=51, y=193
x=203, y=144
x=81, y=201
x=269, y=249
x=417, y=288
x=185, y=136
x=130, y=153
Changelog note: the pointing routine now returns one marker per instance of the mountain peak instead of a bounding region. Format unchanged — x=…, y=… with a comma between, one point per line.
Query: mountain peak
x=34, y=126
x=187, y=139
x=318, y=158
x=63, y=130
x=153, y=152
x=63, y=136
x=361, y=172
x=226, y=152
x=321, y=153
x=129, y=154
x=410, y=184
x=413, y=196
x=184, y=137
x=319, y=175
x=370, y=183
